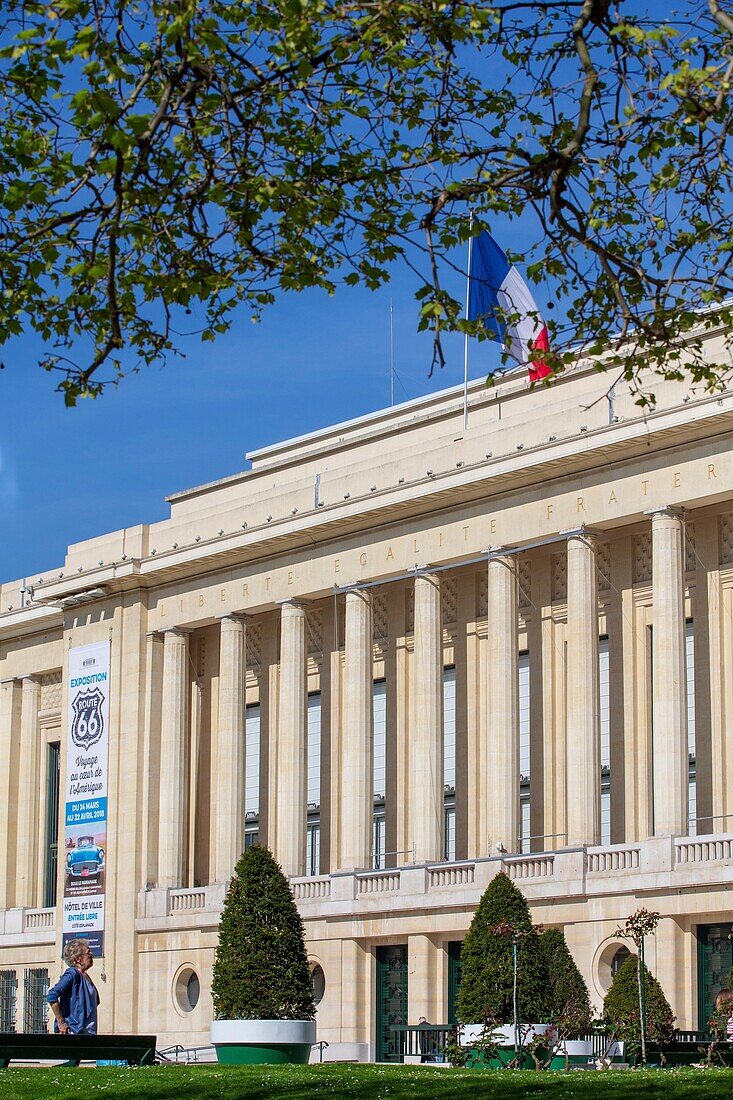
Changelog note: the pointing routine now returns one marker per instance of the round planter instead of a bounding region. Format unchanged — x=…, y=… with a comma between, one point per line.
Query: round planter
x=257, y=1042
x=572, y=1052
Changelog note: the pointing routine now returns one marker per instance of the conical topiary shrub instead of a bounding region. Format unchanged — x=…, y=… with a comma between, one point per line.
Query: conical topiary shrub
x=621, y=1008
x=486, y=960
x=568, y=1001
x=261, y=968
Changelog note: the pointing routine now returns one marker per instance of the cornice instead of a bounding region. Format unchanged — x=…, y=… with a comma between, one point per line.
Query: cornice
x=539, y=468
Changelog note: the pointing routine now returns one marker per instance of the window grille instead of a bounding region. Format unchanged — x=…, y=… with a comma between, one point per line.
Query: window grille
x=8, y=1000
x=35, y=987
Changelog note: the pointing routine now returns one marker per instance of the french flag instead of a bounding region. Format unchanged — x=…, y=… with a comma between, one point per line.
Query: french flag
x=496, y=291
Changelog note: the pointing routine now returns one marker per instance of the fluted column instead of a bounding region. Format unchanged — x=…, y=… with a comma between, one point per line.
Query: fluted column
x=583, y=752
x=669, y=703
x=10, y=718
x=29, y=795
x=292, y=746
x=426, y=733
x=502, y=756
x=230, y=749
x=172, y=829
x=357, y=746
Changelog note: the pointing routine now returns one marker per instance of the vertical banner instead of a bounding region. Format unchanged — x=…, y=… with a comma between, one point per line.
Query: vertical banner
x=85, y=802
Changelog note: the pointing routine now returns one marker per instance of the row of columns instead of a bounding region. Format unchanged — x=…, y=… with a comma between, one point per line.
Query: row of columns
x=425, y=748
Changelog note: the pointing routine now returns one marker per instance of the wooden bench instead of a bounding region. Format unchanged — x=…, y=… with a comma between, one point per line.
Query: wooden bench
x=136, y=1050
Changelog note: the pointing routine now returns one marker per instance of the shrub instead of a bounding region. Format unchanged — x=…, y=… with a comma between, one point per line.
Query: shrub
x=621, y=1008
x=486, y=959
x=568, y=1001
x=261, y=968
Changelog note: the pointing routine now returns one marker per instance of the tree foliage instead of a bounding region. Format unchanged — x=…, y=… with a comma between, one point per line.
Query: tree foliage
x=486, y=959
x=173, y=157
x=261, y=968
x=568, y=1001
x=621, y=1007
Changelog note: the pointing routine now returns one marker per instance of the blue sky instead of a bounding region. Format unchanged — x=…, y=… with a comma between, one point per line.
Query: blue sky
x=70, y=474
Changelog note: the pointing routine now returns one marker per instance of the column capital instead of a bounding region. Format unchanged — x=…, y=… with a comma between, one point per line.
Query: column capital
x=581, y=532
x=425, y=573
x=495, y=553
x=174, y=632
x=233, y=617
x=356, y=590
x=502, y=557
x=671, y=511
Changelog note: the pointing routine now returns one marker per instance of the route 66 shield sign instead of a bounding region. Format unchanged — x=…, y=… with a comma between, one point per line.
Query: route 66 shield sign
x=88, y=725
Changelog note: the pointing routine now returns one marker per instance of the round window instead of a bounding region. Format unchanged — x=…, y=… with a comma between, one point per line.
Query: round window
x=618, y=960
x=319, y=983
x=187, y=989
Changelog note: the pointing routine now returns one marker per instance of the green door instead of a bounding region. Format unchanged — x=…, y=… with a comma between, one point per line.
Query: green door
x=391, y=1000
x=714, y=963
x=454, y=979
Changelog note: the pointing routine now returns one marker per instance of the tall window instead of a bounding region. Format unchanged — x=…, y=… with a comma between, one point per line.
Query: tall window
x=379, y=839
x=524, y=754
x=379, y=712
x=252, y=775
x=52, y=825
x=691, y=750
x=313, y=845
x=605, y=729
x=35, y=1019
x=449, y=762
x=8, y=1000
x=313, y=827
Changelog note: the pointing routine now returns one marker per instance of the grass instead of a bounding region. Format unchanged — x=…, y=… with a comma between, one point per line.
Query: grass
x=360, y=1083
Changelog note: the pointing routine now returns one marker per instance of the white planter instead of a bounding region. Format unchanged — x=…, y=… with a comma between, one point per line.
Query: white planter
x=263, y=1041
x=575, y=1047
x=575, y=1052
x=504, y=1033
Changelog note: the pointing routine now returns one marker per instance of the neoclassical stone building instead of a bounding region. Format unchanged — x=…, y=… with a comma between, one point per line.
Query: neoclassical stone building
x=405, y=652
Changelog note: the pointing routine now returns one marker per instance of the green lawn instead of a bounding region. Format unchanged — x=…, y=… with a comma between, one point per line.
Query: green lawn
x=355, y=1082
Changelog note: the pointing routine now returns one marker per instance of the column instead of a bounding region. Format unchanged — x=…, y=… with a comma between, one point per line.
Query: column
x=230, y=749
x=426, y=734
x=669, y=703
x=502, y=755
x=582, y=722
x=29, y=795
x=10, y=717
x=291, y=746
x=357, y=743
x=172, y=834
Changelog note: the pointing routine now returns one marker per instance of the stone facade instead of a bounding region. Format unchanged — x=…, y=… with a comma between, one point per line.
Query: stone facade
x=406, y=654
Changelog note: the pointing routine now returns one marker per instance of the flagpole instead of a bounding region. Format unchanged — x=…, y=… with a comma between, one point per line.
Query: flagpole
x=465, y=345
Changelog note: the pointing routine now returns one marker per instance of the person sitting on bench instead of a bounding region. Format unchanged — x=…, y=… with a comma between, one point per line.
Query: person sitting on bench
x=74, y=998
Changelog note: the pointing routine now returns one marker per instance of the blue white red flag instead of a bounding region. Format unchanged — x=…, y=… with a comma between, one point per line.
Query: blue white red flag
x=499, y=297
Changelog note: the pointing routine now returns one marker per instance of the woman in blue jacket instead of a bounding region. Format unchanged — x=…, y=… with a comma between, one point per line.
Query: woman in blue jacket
x=74, y=998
